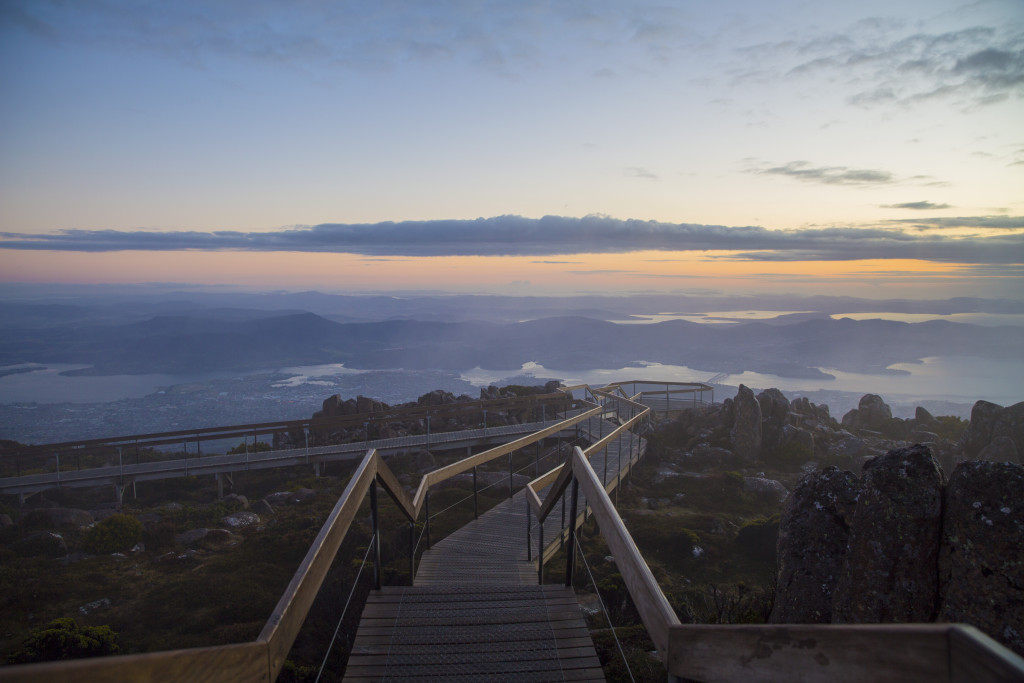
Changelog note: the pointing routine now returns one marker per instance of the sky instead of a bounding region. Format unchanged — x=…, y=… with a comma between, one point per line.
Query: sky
x=527, y=147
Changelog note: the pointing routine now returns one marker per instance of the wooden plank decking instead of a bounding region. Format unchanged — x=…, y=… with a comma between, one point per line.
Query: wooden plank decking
x=476, y=610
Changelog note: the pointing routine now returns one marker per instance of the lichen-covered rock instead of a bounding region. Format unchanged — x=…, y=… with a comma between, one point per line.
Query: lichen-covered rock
x=981, y=563
x=766, y=488
x=990, y=421
x=774, y=411
x=60, y=518
x=813, y=535
x=889, y=573
x=41, y=544
x=1001, y=449
x=871, y=413
x=241, y=519
x=746, y=429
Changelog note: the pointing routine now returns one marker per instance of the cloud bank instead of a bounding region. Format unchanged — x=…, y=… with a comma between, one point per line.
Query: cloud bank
x=557, y=235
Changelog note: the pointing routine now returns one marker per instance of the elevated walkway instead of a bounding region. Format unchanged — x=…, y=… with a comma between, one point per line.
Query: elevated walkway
x=476, y=610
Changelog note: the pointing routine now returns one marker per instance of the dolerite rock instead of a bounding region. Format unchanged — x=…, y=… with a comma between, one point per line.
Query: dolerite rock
x=981, y=563
x=774, y=410
x=813, y=535
x=990, y=421
x=437, y=397
x=369, y=405
x=771, y=489
x=61, y=518
x=241, y=520
x=889, y=574
x=41, y=544
x=746, y=430
x=871, y=413
x=1001, y=449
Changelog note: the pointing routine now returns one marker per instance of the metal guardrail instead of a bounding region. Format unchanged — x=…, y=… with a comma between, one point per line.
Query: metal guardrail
x=263, y=659
x=888, y=652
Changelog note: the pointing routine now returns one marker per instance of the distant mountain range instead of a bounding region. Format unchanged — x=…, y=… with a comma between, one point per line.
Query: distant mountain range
x=179, y=338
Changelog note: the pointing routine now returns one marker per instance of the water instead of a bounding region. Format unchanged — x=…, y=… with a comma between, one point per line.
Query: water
x=46, y=384
x=961, y=379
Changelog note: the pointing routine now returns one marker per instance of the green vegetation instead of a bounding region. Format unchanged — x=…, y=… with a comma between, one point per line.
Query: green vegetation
x=65, y=639
x=116, y=533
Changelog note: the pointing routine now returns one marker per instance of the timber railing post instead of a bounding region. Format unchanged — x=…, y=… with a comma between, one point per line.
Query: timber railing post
x=510, y=474
x=540, y=552
x=529, y=539
x=375, y=535
x=426, y=516
x=475, y=513
x=570, y=542
x=412, y=552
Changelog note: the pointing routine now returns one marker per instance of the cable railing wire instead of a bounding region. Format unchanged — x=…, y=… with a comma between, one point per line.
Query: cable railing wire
x=600, y=601
x=345, y=609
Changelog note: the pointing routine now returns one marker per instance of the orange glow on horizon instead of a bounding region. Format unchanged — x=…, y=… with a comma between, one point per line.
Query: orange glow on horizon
x=545, y=275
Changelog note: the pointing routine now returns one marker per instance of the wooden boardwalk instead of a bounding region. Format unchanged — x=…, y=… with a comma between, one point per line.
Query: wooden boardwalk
x=476, y=610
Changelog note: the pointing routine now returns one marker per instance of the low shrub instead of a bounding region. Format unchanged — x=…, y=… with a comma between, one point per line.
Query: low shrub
x=114, y=534
x=65, y=639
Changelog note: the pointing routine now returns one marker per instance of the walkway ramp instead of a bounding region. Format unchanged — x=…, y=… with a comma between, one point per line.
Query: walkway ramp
x=476, y=610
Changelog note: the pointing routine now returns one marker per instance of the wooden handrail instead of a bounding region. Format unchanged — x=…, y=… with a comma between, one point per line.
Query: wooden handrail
x=655, y=611
x=952, y=652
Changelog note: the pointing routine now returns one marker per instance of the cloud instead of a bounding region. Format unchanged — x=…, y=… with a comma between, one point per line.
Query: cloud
x=638, y=172
x=884, y=65
x=829, y=175
x=991, y=222
x=916, y=206
x=557, y=235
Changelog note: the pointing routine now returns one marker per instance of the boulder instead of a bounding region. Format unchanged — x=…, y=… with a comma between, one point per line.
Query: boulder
x=262, y=507
x=289, y=497
x=40, y=544
x=191, y=536
x=768, y=488
x=990, y=421
x=437, y=397
x=813, y=535
x=61, y=518
x=5, y=521
x=425, y=462
x=237, y=499
x=369, y=405
x=241, y=520
x=981, y=562
x=1000, y=449
x=746, y=429
x=871, y=413
x=774, y=411
x=889, y=572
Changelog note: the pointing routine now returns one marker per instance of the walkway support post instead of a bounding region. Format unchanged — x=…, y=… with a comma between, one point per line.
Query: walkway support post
x=570, y=545
x=476, y=514
x=375, y=534
x=426, y=516
x=510, y=474
x=529, y=539
x=540, y=552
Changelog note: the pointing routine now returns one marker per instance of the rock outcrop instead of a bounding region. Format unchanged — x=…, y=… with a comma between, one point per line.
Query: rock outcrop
x=746, y=428
x=871, y=413
x=889, y=572
x=991, y=423
x=981, y=566
x=813, y=535
x=902, y=546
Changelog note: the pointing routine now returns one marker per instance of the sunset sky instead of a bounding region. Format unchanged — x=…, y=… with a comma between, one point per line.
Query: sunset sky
x=865, y=148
